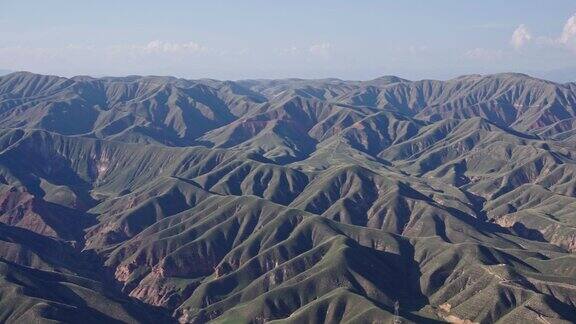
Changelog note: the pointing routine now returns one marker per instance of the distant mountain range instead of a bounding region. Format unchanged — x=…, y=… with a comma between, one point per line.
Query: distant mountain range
x=158, y=199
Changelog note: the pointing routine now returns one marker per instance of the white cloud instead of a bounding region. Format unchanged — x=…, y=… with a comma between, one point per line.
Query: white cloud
x=484, y=54
x=568, y=36
x=152, y=47
x=322, y=49
x=288, y=51
x=158, y=46
x=417, y=50
x=292, y=50
x=81, y=58
x=566, y=41
x=520, y=37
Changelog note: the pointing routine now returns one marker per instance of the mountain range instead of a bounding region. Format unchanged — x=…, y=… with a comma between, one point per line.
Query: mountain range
x=158, y=199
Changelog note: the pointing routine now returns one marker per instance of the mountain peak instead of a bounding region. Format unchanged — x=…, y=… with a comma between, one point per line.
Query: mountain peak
x=389, y=79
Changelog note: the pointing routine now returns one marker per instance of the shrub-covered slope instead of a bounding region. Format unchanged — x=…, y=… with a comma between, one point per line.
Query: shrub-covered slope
x=156, y=199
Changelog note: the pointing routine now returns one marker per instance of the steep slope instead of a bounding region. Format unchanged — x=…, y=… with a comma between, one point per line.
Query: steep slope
x=157, y=199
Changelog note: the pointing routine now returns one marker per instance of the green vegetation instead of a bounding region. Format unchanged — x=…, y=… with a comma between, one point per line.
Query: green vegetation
x=151, y=199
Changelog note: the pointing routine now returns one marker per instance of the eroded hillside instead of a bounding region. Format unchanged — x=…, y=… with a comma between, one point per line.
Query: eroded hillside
x=156, y=199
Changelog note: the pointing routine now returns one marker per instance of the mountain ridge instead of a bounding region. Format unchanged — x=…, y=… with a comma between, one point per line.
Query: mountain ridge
x=287, y=200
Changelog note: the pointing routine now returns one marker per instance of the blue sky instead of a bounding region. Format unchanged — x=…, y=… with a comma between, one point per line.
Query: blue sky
x=270, y=39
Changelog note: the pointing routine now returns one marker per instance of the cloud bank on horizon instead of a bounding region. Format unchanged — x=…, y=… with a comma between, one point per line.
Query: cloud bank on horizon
x=227, y=40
